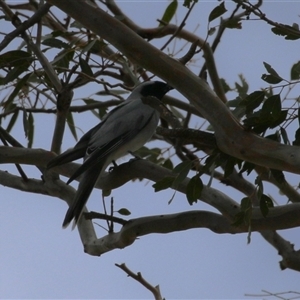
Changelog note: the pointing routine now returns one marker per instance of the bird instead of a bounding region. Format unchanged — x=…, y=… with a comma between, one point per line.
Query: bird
x=123, y=130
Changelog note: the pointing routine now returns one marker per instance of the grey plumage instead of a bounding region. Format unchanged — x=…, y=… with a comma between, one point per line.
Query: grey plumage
x=126, y=128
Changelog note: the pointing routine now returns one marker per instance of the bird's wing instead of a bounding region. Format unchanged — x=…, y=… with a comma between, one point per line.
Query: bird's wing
x=96, y=154
x=80, y=148
x=77, y=152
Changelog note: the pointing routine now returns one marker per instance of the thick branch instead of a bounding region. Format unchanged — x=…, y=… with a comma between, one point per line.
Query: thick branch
x=179, y=222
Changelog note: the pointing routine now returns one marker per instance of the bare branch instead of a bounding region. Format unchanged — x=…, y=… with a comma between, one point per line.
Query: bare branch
x=138, y=277
x=43, y=10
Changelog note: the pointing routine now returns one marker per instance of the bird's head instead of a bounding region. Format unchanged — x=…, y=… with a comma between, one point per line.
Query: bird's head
x=152, y=88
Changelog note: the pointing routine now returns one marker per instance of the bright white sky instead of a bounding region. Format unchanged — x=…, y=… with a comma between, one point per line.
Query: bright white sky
x=40, y=260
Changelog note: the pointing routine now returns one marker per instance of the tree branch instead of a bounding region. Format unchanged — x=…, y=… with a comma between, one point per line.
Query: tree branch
x=138, y=277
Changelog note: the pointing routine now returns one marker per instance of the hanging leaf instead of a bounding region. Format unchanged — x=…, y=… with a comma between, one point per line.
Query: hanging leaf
x=182, y=169
x=14, y=58
x=163, y=184
x=168, y=164
x=244, y=216
x=253, y=100
x=63, y=59
x=30, y=130
x=260, y=186
x=296, y=142
x=290, y=32
x=265, y=203
x=284, y=136
x=187, y=3
x=17, y=61
x=295, y=71
x=85, y=67
x=217, y=12
x=272, y=106
x=70, y=122
x=194, y=189
x=12, y=121
x=55, y=43
x=278, y=175
x=16, y=90
x=169, y=12
x=273, y=77
x=124, y=212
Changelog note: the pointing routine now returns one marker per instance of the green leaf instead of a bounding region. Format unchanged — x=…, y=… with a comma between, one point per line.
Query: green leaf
x=243, y=88
x=187, y=3
x=273, y=77
x=163, y=184
x=30, y=130
x=272, y=106
x=17, y=62
x=17, y=88
x=290, y=32
x=15, y=58
x=225, y=85
x=124, y=212
x=152, y=154
x=211, y=30
x=169, y=12
x=85, y=68
x=284, y=136
x=247, y=167
x=229, y=166
x=70, y=122
x=182, y=169
x=168, y=164
x=244, y=216
x=101, y=111
x=217, y=12
x=55, y=43
x=253, y=100
x=265, y=203
x=63, y=59
x=296, y=142
x=234, y=23
x=25, y=122
x=295, y=71
x=278, y=175
x=270, y=69
x=12, y=121
x=106, y=192
x=246, y=204
x=270, y=79
x=194, y=189
x=260, y=189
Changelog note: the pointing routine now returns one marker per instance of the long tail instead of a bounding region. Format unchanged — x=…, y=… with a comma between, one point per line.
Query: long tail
x=86, y=185
x=67, y=156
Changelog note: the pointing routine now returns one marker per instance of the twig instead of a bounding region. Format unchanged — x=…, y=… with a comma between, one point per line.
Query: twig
x=189, y=55
x=96, y=215
x=43, y=10
x=180, y=27
x=19, y=168
x=139, y=278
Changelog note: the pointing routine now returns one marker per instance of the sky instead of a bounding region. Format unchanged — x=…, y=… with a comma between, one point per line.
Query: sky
x=40, y=260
